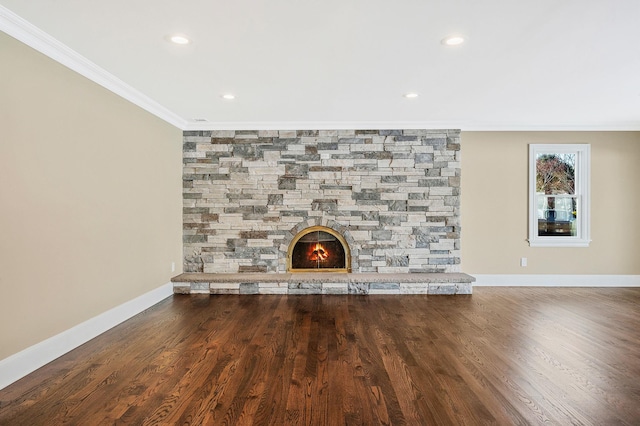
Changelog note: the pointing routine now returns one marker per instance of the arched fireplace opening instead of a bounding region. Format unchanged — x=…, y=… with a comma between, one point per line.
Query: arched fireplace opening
x=319, y=249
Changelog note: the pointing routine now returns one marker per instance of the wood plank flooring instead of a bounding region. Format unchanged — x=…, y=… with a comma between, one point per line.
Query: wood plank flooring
x=500, y=356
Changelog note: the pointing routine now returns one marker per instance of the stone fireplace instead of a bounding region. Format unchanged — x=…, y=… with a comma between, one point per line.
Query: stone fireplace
x=286, y=201
x=318, y=249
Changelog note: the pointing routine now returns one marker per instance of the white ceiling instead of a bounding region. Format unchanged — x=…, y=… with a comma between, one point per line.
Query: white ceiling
x=526, y=64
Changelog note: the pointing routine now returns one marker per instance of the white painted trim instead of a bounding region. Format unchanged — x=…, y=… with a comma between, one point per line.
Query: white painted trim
x=28, y=360
x=465, y=126
x=39, y=40
x=582, y=191
x=320, y=125
x=469, y=126
x=558, y=242
x=543, y=280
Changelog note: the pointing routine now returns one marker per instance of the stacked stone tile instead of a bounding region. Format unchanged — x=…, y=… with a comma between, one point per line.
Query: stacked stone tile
x=323, y=283
x=393, y=194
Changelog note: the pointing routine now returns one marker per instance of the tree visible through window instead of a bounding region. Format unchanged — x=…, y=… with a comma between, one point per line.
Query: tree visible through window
x=555, y=191
x=559, y=182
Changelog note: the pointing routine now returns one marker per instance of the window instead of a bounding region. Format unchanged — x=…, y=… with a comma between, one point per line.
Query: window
x=559, y=195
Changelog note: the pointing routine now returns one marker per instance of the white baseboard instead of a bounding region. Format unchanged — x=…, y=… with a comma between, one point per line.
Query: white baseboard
x=28, y=360
x=542, y=280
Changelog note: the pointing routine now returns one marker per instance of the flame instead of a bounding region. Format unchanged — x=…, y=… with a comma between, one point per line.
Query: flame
x=318, y=253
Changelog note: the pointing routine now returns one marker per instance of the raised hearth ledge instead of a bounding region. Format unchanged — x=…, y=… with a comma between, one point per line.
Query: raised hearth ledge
x=323, y=283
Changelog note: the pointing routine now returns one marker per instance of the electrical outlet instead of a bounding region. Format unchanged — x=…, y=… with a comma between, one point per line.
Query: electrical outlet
x=173, y=266
x=523, y=261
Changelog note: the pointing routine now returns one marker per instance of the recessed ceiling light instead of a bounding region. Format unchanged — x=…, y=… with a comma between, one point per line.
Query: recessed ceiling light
x=179, y=39
x=228, y=96
x=410, y=95
x=454, y=40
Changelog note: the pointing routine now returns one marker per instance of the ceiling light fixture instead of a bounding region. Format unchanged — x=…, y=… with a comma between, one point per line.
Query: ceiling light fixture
x=228, y=96
x=454, y=40
x=179, y=39
x=410, y=95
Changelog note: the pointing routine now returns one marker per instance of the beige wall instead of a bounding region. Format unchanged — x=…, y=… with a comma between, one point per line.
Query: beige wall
x=90, y=189
x=494, y=205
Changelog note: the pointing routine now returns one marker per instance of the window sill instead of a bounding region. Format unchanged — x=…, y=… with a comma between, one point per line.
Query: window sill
x=559, y=242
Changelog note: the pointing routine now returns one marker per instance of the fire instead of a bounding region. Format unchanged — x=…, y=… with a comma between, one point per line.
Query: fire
x=318, y=253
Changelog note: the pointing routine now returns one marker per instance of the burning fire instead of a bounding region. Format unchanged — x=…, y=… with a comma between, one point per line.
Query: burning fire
x=318, y=253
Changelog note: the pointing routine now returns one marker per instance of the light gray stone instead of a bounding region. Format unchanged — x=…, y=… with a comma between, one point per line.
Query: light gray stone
x=199, y=288
x=443, y=289
x=248, y=288
x=359, y=288
x=371, y=183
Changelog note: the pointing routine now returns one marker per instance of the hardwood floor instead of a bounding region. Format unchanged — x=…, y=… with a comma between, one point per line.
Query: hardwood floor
x=501, y=356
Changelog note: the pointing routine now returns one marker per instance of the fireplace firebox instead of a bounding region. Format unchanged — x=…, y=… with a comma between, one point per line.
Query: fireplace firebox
x=319, y=249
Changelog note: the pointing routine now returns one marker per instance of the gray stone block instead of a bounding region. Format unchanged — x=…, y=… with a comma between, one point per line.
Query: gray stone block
x=424, y=158
x=391, y=132
x=342, y=288
x=305, y=286
x=398, y=205
x=244, y=151
x=427, y=183
x=274, y=199
x=384, y=286
x=441, y=261
x=358, y=288
x=324, y=204
x=286, y=183
x=181, y=288
x=413, y=288
x=194, y=239
x=199, y=288
x=464, y=288
x=328, y=146
x=224, y=291
x=393, y=179
x=249, y=288
x=397, y=261
x=442, y=289
x=378, y=235
x=394, y=220
x=366, y=195
x=297, y=170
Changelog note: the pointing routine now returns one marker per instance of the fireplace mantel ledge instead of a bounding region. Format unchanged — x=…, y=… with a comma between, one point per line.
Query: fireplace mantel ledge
x=323, y=283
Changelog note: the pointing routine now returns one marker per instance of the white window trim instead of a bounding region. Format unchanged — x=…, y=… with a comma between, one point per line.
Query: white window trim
x=583, y=170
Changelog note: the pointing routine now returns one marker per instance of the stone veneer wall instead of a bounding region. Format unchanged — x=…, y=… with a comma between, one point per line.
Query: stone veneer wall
x=393, y=194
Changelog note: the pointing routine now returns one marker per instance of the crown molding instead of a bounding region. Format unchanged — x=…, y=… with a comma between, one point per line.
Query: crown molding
x=432, y=125
x=319, y=125
x=32, y=36
x=551, y=127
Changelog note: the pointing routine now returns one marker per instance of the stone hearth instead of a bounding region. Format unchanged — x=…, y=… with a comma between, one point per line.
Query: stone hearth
x=323, y=283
